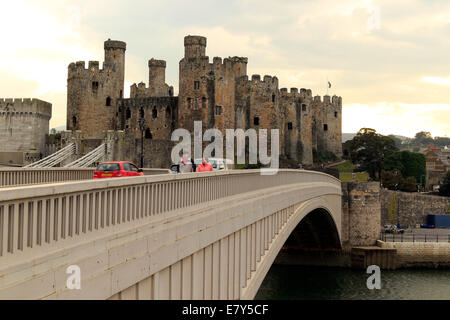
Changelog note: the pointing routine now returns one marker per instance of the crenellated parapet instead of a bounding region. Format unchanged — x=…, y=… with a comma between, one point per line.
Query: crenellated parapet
x=255, y=83
x=25, y=106
x=231, y=66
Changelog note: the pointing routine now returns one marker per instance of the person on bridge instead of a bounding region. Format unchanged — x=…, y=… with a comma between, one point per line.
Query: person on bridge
x=185, y=163
x=204, y=166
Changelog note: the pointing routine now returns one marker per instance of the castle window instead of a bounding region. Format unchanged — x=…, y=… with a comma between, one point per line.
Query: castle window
x=289, y=125
x=148, y=134
x=256, y=121
x=108, y=101
x=170, y=92
x=121, y=94
x=128, y=113
x=195, y=104
x=189, y=103
x=167, y=112
x=335, y=114
x=94, y=85
x=196, y=85
x=203, y=102
x=154, y=113
x=325, y=127
x=141, y=113
x=273, y=98
x=218, y=110
x=74, y=122
x=303, y=107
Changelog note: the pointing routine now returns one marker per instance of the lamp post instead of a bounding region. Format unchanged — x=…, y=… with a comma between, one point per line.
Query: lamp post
x=142, y=128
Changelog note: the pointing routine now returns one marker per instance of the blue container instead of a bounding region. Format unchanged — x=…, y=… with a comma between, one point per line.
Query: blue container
x=439, y=220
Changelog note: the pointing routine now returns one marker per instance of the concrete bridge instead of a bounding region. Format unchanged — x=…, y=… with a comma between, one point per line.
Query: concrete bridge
x=189, y=236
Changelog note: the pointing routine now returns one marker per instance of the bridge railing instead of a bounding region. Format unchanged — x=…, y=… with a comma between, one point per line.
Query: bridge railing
x=24, y=176
x=39, y=219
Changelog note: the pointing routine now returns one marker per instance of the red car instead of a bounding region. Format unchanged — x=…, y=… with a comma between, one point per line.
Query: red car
x=117, y=169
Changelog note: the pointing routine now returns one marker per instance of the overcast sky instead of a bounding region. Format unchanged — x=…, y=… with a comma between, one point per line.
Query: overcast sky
x=389, y=60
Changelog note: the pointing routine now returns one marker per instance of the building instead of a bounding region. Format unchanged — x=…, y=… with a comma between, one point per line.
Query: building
x=24, y=124
x=437, y=166
x=220, y=94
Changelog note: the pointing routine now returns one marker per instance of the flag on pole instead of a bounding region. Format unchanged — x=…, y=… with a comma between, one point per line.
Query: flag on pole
x=329, y=84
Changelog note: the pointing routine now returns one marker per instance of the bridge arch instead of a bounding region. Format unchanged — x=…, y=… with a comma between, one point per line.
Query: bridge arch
x=312, y=225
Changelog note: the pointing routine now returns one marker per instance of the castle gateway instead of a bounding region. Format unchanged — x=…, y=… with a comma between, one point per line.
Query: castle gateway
x=219, y=94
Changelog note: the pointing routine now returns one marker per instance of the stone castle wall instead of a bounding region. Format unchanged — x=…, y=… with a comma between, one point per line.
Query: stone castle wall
x=219, y=94
x=92, y=92
x=410, y=209
x=361, y=218
x=24, y=124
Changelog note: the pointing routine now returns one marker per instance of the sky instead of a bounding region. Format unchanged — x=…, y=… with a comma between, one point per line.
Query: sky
x=389, y=60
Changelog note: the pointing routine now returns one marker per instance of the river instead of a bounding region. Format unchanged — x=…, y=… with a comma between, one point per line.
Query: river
x=310, y=283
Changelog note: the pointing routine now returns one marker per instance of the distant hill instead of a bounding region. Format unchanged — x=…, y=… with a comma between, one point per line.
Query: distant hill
x=58, y=129
x=349, y=136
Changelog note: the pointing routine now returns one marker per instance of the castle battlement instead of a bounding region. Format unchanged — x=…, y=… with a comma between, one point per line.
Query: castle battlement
x=79, y=69
x=219, y=93
x=156, y=63
x=115, y=44
x=25, y=107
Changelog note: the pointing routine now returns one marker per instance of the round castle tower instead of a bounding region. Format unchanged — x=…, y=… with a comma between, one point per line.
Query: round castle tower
x=92, y=92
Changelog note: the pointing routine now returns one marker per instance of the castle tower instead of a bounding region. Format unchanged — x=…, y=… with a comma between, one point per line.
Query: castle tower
x=327, y=125
x=92, y=92
x=157, y=76
x=196, y=85
x=194, y=46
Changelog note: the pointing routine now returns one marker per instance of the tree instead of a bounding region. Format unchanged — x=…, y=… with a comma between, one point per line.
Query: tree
x=444, y=188
x=410, y=164
x=398, y=142
x=369, y=149
x=422, y=138
x=393, y=180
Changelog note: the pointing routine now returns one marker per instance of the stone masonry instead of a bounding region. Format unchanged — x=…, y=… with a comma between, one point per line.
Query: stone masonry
x=23, y=125
x=219, y=94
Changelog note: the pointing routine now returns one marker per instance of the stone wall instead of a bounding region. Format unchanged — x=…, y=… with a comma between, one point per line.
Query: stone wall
x=410, y=209
x=92, y=92
x=156, y=152
x=361, y=221
x=24, y=124
x=420, y=254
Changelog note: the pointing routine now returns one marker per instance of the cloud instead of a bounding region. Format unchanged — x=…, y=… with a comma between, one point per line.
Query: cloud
x=382, y=59
x=437, y=80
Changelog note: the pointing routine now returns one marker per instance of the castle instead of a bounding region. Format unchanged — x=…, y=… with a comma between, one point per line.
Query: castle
x=23, y=126
x=219, y=94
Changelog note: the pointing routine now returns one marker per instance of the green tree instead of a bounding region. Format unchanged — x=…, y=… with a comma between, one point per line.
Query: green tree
x=410, y=164
x=398, y=142
x=422, y=138
x=444, y=188
x=369, y=149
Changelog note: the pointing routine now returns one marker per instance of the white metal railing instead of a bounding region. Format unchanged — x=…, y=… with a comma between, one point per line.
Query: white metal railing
x=24, y=176
x=55, y=158
x=89, y=158
x=38, y=219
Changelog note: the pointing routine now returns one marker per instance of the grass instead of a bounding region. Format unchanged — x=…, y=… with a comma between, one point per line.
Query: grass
x=346, y=167
x=347, y=176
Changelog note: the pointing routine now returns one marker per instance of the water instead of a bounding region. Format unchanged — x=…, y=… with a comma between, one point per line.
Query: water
x=311, y=283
